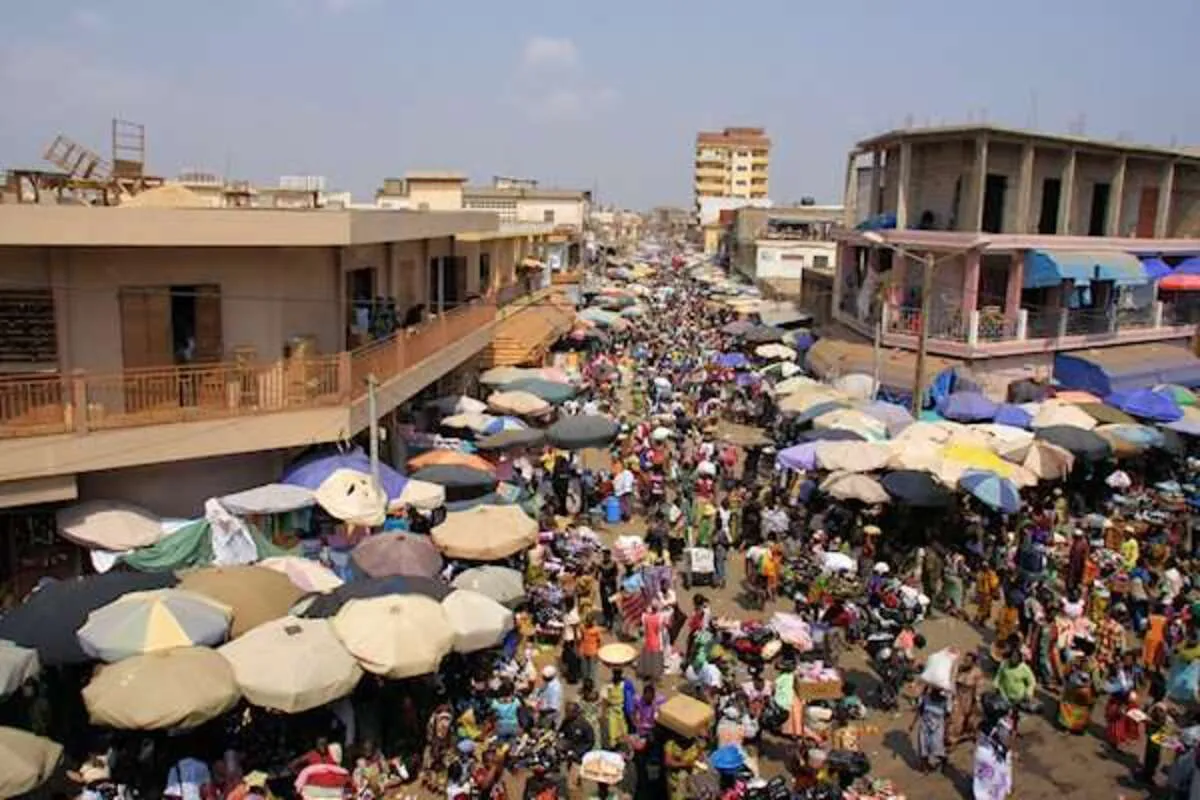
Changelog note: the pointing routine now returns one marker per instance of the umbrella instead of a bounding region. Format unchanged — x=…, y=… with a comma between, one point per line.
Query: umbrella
x=819, y=410
x=109, y=525
x=1119, y=480
x=761, y=334
x=450, y=458
x=149, y=622
x=967, y=407
x=179, y=688
x=1076, y=397
x=504, y=585
x=800, y=401
x=799, y=457
x=386, y=554
x=847, y=486
x=420, y=494
x=292, y=665
x=270, y=498
x=1146, y=403
x=741, y=435
x=1081, y=443
x=256, y=595
x=1171, y=442
x=780, y=370
x=522, y=404
x=1107, y=415
x=1182, y=395
x=26, y=761
x=1189, y=427
x=502, y=424
x=354, y=497
x=992, y=490
x=529, y=437
x=304, y=573
x=923, y=431
x=486, y=533
x=475, y=421
x=738, y=327
x=1008, y=442
x=457, y=404
x=456, y=477
x=732, y=361
x=606, y=319
x=396, y=636
x=916, y=489
x=321, y=606
x=478, y=621
x=48, y=619
x=1142, y=437
x=550, y=391
x=920, y=455
x=853, y=420
x=316, y=471
x=796, y=383
x=895, y=417
x=498, y=376
x=1048, y=461
x=1055, y=413
x=582, y=431
x=852, y=456
x=17, y=665
x=776, y=352
x=1012, y=415
x=830, y=435
x=972, y=456
x=857, y=386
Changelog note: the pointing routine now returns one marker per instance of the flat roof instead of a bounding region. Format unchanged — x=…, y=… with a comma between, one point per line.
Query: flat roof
x=82, y=226
x=517, y=192
x=1007, y=242
x=435, y=175
x=516, y=230
x=899, y=135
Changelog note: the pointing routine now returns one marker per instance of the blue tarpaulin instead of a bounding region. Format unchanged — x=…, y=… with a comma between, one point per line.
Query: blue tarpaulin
x=1147, y=404
x=1104, y=370
x=1045, y=268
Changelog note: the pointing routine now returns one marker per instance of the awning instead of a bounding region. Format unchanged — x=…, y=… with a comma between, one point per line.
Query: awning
x=1045, y=268
x=1104, y=370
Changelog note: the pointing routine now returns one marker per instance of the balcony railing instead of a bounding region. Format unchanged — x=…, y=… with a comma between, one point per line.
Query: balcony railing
x=78, y=402
x=943, y=325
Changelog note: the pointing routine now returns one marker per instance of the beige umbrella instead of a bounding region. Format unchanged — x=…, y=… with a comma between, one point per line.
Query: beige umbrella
x=1053, y=412
x=1022, y=477
x=518, y=403
x=778, y=352
x=292, y=665
x=794, y=384
x=1008, y=442
x=486, y=533
x=847, y=486
x=179, y=688
x=920, y=455
x=851, y=419
x=501, y=375
x=479, y=622
x=255, y=594
x=804, y=399
x=970, y=437
x=856, y=385
x=922, y=431
x=844, y=456
x=352, y=496
x=26, y=761
x=110, y=525
x=421, y=494
x=305, y=574
x=1048, y=461
x=397, y=636
x=469, y=420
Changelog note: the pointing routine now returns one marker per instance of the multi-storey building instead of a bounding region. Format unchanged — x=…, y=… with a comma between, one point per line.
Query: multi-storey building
x=734, y=163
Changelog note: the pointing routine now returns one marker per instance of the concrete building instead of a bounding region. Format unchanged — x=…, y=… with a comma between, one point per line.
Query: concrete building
x=789, y=252
x=734, y=162
x=1039, y=241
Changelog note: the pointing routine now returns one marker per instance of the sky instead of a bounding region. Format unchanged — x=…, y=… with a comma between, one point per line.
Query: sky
x=601, y=95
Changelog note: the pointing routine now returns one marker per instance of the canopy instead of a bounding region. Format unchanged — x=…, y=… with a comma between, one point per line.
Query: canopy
x=917, y=489
x=1104, y=370
x=504, y=585
x=272, y=498
x=255, y=595
x=110, y=525
x=305, y=574
x=320, y=606
x=1045, y=268
x=48, y=619
x=486, y=533
x=149, y=622
x=386, y=554
x=1147, y=404
x=17, y=665
x=395, y=636
x=292, y=665
x=179, y=688
x=26, y=761
x=478, y=621
x=190, y=545
x=1155, y=268
x=582, y=431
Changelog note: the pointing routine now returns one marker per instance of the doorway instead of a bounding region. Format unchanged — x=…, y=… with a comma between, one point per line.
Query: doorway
x=170, y=325
x=1147, y=213
x=1098, y=221
x=1051, y=196
x=994, y=189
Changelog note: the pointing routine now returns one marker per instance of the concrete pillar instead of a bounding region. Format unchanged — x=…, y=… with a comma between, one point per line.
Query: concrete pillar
x=1025, y=191
x=1066, y=200
x=1016, y=279
x=845, y=261
x=1166, y=187
x=903, y=186
x=970, y=289
x=973, y=328
x=875, y=205
x=1116, y=195
x=978, y=183
x=850, y=200
x=1022, y=325
x=339, y=275
x=898, y=280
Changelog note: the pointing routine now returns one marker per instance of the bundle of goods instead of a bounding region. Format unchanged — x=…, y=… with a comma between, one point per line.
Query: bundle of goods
x=686, y=716
x=602, y=766
x=629, y=550
x=755, y=642
x=815, y=681
x=872, y=789
x=792, y=630
x=939, y=669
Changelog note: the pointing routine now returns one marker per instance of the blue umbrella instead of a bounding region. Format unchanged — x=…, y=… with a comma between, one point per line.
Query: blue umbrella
x=504, y=424
x=733, y=361
x=966, y=407
x=996, y=492
x=801, y=340
x=800, y=456
x=312, y=473
x=1142, y=436
x=1190, y=266
x=1155, y=268
x=1147, y=404
x=1014, y=415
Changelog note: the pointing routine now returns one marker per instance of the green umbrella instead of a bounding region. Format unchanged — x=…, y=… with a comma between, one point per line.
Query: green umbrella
x=550, y=391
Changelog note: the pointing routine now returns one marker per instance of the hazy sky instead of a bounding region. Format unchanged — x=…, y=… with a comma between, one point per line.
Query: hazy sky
x=605, y=94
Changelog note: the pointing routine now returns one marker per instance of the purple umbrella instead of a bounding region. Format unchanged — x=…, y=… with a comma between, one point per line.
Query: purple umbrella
x=966, y=407
x=733, y=361
x=800, y=456
x=388, y=554
x=1014, y=415
x=311, y=474
x=895, y=417
x=1147, y=404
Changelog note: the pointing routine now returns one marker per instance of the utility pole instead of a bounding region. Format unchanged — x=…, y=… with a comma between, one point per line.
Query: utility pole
x=877, y=354
x=923, y=339
x=373, y=413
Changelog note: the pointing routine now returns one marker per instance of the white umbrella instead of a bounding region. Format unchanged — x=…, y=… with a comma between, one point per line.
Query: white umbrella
x=857, y=385
x=795, y=384
x=469, y=420
x=1008, y=441
x=518, y=403
x=504, y=585
x=851, y=419
x=421, y=494
x=398, y=636
x=785, y=369
x=778, y=352
x=1054, y=412
x=352, y=496
x=846, y=456
x=848, y=486
x=921, y=455
x=478, y=621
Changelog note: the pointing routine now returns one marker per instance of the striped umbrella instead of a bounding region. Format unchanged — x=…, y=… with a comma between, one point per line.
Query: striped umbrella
x=992, y=490
x=148, y=622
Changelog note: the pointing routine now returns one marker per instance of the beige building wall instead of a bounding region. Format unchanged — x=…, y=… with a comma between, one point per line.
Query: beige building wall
x=435, y=195
x=565, y=212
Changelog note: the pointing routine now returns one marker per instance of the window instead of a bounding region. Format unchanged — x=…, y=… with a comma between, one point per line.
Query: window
x=740, y=183
x=485, y=272
x=820, y=262
x=27, y=332
x=741, y=168
x=548, y=215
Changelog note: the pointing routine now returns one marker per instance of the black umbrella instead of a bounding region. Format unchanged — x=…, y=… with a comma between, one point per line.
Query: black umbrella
x=917, y=489
x=1171, y=442
x=461, y=483
x=580, y=432
x=321, y=605
x=48, y=619
x=830, y=435
x=1083, y=444
x=763, y=334
x=527, y=437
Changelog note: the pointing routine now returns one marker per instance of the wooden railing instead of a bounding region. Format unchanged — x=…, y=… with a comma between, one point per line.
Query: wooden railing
x=56, y=404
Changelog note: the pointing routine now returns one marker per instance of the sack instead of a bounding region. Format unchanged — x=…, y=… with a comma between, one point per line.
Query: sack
x=939, y=670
